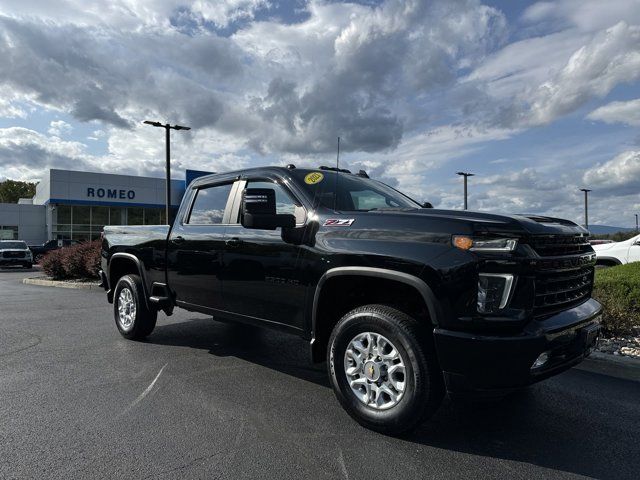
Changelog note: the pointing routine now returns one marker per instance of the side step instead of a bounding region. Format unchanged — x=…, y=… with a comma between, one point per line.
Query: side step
x=162, y=303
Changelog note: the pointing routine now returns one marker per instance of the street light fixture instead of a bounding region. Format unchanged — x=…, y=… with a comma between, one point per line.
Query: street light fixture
x=465, y=175
x=167, y=127
x=586, y=207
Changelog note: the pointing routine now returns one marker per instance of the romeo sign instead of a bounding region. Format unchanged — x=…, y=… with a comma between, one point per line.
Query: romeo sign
x=114, y=193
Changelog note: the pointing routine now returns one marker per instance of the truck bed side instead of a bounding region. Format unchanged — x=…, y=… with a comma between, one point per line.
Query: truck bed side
x=135, y=249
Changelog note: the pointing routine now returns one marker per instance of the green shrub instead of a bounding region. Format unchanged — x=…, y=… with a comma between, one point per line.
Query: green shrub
x=618, y=289
x=80, y=261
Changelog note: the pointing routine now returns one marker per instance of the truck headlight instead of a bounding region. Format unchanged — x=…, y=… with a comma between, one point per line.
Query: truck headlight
x=464, y=242
x=493, y=291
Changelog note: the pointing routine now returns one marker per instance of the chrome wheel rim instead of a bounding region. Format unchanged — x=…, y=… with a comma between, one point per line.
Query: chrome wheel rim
x=375, y=370
x=126, y=309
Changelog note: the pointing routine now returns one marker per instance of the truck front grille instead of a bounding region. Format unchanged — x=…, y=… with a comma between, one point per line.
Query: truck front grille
x=564, y=272
x=13, y=254
x=559, y=245
x=558, y=290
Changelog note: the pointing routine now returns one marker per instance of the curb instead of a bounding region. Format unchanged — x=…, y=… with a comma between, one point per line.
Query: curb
x=43, y=282
x=626, y=368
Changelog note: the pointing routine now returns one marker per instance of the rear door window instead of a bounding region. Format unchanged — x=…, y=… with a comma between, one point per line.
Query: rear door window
x=209, y=205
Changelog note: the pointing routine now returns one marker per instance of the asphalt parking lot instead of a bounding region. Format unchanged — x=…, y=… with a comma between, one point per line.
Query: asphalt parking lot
x=202, y=399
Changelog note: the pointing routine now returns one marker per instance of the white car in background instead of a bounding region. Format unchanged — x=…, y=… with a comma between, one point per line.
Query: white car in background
x=618, y=253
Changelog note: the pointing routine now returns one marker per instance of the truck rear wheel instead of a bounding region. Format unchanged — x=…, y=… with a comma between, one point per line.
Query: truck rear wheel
x=133, y=318
x=384, y=370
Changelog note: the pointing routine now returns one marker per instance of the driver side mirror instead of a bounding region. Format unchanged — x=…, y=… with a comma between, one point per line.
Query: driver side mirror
x=258, y=210
x=427, y=205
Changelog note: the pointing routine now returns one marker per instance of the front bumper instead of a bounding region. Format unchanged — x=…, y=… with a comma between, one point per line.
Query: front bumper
x=476, y=363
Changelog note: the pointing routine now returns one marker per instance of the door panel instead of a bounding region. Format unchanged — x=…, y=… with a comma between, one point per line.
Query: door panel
x=196, y=246
x=262, y=274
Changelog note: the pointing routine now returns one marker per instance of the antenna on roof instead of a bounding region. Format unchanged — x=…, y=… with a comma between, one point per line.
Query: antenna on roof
x=335, y=190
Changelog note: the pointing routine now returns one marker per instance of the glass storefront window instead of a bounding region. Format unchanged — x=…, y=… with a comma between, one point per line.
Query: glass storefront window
x=8, y=232
x=81, y=216
x=63, y=213
x=99, y=215
x=153, y=216
x=135, y=216
x=115, y=216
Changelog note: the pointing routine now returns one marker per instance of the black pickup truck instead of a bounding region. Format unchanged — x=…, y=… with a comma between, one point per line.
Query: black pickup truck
x=405, y=303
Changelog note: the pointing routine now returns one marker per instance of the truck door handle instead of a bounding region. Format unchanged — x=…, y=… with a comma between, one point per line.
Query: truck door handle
x=178, y=239
x=233, y=242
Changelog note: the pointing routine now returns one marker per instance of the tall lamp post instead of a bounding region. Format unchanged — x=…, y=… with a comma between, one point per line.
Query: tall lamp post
x=465, y=175
x=636, y=222
x=167, y=127
x=586, y=207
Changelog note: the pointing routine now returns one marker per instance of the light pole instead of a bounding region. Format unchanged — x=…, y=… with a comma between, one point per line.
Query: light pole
x=465, y=175
x=167, y=127
x=586, y=207
x=636, y=222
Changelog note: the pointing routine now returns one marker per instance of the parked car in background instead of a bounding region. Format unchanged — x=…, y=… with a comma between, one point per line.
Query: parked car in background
x=39, y=251
x=618, y=253
x=15, y=252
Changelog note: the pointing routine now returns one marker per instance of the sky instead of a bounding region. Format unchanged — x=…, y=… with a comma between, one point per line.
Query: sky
x=538, y=99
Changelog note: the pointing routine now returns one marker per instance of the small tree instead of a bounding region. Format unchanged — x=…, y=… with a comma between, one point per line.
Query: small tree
x=12, y=190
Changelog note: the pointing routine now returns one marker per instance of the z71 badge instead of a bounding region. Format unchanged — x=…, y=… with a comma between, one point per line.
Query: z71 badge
x=339, y=222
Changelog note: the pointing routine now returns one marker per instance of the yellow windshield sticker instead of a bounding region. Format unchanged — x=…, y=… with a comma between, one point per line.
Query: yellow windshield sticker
x=313, y=178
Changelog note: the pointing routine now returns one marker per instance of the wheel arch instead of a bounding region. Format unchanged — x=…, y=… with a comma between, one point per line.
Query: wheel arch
x=411, y=283
x=608, y=261
x=121, y=264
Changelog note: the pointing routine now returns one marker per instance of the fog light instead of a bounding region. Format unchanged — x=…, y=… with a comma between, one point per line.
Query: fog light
x=493, y=291
x=541, y=360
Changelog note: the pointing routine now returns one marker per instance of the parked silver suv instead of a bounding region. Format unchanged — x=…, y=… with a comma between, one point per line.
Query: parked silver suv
x=15, y=252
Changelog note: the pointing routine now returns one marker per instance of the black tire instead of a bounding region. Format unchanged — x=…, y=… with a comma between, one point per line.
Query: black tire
x=28, y=265
x=39, y=258
x=424, y=387
x=144, y=319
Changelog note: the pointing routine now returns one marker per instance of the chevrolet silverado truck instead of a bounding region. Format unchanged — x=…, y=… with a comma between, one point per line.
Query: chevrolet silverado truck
x=15, y=252
x=405, y=303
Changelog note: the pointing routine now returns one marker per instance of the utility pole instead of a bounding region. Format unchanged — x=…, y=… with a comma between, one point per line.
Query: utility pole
x=167, y=127
x=465, y=175
x=636, y=222
x=586, y=207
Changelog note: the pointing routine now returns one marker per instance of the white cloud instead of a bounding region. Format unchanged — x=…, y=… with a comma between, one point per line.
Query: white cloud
x=611, y=58
x=618, y=112
x=585, y=15
x=618, y=176
x=59, y=128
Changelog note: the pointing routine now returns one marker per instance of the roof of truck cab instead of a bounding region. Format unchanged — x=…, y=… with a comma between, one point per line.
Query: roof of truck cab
x=273, y=170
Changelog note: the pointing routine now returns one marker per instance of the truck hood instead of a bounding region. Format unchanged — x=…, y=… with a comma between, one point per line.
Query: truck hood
x=484, y=221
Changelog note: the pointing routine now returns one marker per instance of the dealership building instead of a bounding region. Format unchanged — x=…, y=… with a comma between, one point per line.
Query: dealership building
x=77, y=205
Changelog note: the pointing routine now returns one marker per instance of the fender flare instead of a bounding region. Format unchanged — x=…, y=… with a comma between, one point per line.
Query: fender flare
x=609, y=259
x=435, y=312
x=136, y=261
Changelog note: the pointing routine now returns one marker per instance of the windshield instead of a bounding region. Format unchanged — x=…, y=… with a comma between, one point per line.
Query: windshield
x=354, y=194
x=13, y=245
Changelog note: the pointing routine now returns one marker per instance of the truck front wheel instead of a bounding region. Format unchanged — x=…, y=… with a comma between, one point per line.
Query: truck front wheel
x=133, y=318
x=384, y=370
